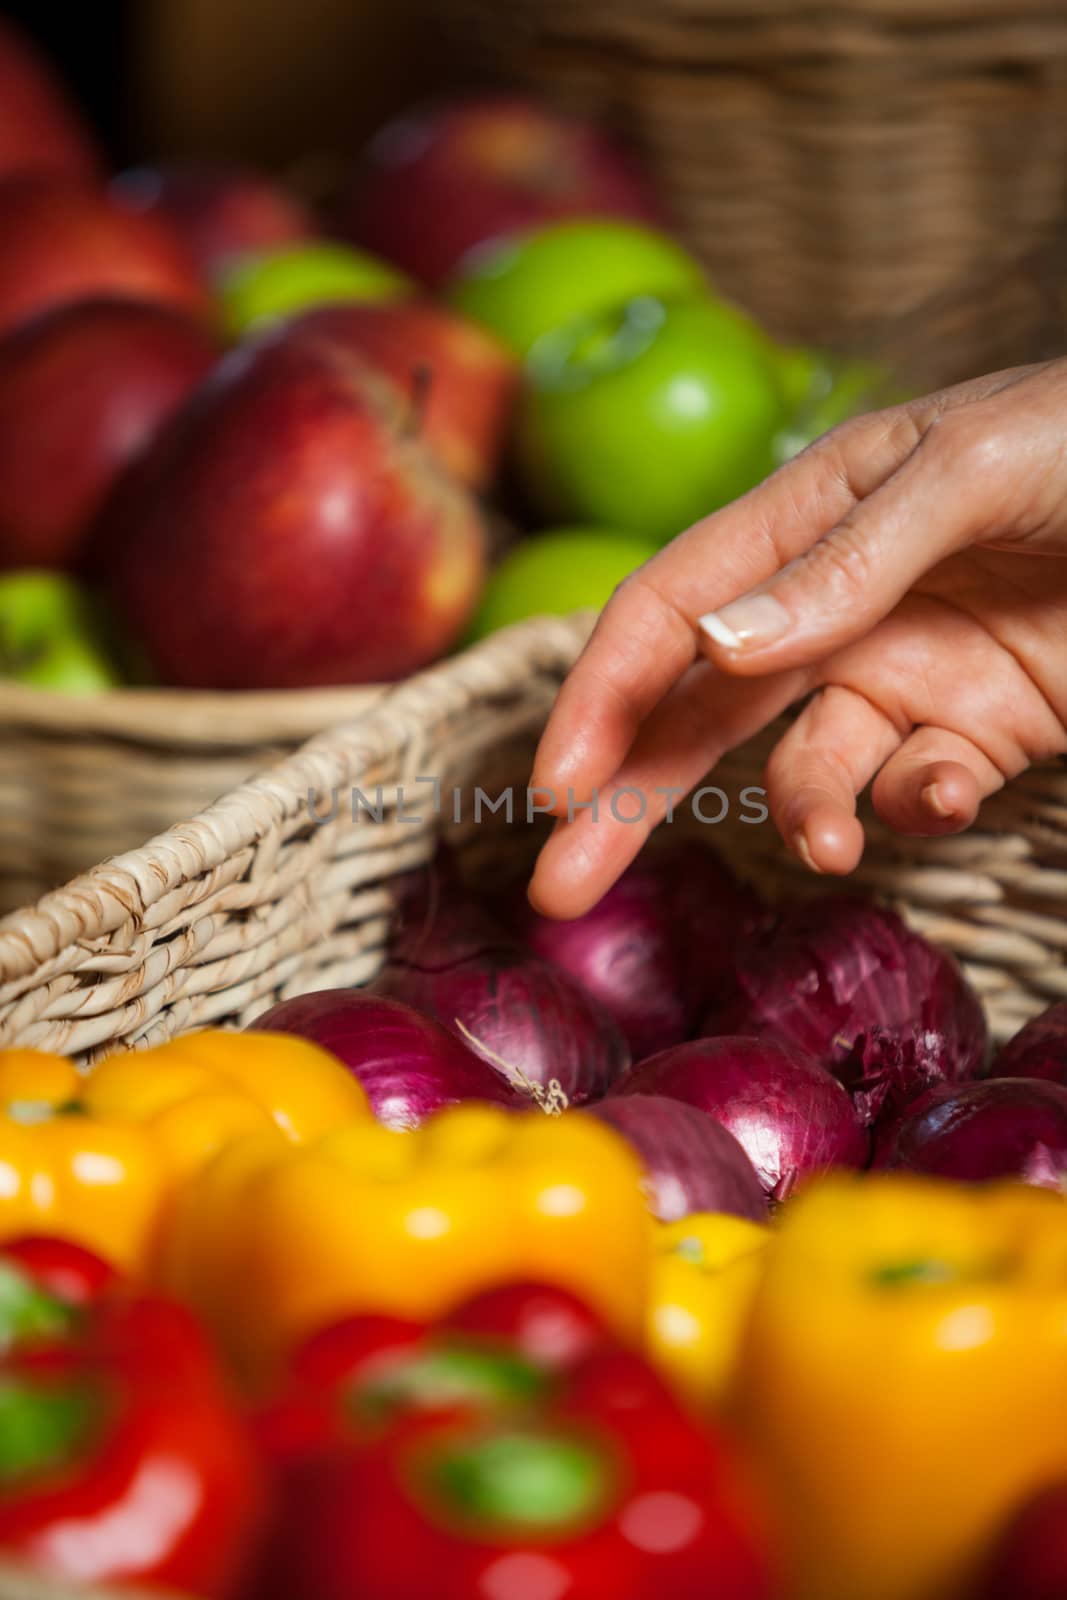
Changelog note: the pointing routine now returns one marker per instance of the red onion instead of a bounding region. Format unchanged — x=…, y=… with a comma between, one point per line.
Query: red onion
x=999, y=1128
x=408, y=1065
x=1029, y=1560
x=692, y=1163
x=436, y=919
x=1039, y=1050
x=790, y=1116
x=522, y=1014
x=846, y=980
x=656, y=946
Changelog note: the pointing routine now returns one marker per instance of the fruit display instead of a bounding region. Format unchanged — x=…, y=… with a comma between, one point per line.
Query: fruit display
x=511, y=1268
x=268, y=435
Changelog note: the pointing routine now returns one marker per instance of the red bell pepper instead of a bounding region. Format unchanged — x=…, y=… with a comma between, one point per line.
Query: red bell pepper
x=122, y=1458
x=489, y=1457
x=46, y=1288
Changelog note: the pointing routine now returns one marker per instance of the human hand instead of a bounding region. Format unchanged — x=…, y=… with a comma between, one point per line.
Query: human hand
x=908, y=572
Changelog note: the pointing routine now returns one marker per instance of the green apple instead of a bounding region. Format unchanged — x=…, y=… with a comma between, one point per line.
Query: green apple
x=649, y=417
x=50, y=636
x=525, y=287
x=275, y=284
x=553, y=573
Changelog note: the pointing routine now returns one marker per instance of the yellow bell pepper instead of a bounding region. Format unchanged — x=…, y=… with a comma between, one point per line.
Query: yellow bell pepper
x=97, y=1157
x=274, y=1242
x=904, y=1377
x=705, y=1269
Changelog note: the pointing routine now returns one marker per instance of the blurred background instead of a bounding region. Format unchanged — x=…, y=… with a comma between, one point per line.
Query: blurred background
x=879, y=173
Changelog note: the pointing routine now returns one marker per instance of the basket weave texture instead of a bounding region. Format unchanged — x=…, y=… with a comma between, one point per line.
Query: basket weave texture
x=83, y=779
x=253, y=900
x=835, y=165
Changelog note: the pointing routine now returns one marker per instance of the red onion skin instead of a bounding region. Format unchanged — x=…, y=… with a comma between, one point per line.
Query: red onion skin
x=408, y=1065
x=1038, y=1050
x=520, y=1010
x=1030, y=1558
x=692, y=1163
x=888, y=1012
x=790, y=1116
x=655, y=945
x=975, y=1132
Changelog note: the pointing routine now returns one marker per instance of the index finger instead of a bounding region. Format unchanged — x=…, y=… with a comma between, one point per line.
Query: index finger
x=647, y=635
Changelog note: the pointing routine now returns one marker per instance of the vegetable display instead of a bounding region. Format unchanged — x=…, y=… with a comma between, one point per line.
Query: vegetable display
x=338, y=1306
x=904, y=1378
x=100, y=1158
x=394, y=1344
x=474, y=1198
x=462, y=1460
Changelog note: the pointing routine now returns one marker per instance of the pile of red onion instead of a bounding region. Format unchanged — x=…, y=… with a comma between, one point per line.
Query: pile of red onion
x=532, y=1022
x=830, y=1029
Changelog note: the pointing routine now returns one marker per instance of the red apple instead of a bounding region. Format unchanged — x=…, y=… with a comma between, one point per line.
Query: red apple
x=1030, y=1558
x=63, y=240
x=441, y=181
x=219, y=212
x=458, y=381
x=82, y=390
x=40, y=131
x=286, y=529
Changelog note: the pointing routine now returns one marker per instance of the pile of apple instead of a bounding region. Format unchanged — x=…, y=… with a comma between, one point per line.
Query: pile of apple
x=245, y=447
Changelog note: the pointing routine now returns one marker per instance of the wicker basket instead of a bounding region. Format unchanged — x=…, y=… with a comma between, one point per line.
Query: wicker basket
x=83, y=779
x=835, y=165
x=256, y=900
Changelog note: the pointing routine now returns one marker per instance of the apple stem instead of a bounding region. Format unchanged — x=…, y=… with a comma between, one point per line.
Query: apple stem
x=421, y=384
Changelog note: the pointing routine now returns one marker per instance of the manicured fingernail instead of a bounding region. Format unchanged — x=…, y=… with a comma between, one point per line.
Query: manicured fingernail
x=934, y=801
x=803, y=850
x=716, y=629
x=756, y=620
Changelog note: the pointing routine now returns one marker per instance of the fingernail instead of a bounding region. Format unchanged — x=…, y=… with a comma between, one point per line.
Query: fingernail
x=756, y=620
x=716, y=629
x=934, y=801
x=803, y=850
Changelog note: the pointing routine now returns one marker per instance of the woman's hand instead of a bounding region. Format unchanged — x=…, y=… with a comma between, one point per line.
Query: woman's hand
x=908, y=572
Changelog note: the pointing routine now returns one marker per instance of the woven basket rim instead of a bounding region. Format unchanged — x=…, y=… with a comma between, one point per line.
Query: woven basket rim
x=106, y=896
x=187, y=717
